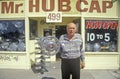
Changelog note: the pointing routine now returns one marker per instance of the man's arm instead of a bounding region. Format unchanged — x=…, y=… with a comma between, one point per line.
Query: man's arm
x=82, y=58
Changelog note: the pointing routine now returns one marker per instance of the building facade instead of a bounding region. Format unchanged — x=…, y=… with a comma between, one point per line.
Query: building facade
x=23, y=21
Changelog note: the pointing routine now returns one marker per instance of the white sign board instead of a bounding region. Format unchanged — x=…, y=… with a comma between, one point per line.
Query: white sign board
x=54, y=17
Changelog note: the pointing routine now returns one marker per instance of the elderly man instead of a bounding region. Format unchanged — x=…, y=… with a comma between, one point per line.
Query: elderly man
x=71, y=53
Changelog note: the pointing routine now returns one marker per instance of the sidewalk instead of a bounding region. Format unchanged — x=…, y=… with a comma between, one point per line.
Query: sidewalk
x=55, y=73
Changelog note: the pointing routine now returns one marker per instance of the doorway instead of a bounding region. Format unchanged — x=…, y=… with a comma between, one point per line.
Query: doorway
x=60, y=29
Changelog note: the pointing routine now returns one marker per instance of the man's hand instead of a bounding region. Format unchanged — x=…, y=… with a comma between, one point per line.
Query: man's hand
x=82, y=65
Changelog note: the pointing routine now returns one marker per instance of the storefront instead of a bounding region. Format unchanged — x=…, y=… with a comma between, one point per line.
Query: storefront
x=23, y=21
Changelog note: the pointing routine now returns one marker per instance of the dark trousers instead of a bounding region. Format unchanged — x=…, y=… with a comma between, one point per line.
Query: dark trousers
x=70, y=67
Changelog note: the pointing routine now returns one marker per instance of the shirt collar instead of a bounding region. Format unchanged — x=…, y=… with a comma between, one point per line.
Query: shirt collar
x=66, y=37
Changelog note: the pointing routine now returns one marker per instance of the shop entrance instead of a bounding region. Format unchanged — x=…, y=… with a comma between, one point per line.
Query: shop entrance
x=60, y=29
x=40, y=28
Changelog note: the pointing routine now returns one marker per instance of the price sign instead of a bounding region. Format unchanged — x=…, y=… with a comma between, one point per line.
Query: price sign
x=54, y=17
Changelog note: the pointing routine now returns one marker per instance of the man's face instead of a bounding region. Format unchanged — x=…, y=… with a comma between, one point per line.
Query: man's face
x=71, y=29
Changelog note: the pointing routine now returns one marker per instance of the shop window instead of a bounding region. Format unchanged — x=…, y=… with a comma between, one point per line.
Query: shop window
x=12, y=35
x=101, y=35
x=33, y=29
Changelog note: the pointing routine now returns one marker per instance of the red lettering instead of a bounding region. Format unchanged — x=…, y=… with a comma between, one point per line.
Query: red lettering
x=6, y=8
x=106, y=25
x=44, y=7
x=79, y=2
x=95, y=6
x=113, y=25
x=17, y=7
x=31, y=5
x=89, y=24
x=106, y=4
x=97, y=25
x=64, y=5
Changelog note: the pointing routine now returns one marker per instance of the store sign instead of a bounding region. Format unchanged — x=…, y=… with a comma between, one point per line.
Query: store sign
x=8, y=7
x=64, y=6
x=101, y=32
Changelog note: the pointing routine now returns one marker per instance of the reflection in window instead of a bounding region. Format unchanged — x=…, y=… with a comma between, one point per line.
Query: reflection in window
x=12, y=35
x=101, y=35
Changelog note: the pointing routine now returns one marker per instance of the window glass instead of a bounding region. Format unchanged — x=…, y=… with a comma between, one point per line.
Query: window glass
x=33, y=29
x=101, y=35
x=12, y=35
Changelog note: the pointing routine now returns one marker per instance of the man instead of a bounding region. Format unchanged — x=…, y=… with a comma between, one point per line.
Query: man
x=71, y=53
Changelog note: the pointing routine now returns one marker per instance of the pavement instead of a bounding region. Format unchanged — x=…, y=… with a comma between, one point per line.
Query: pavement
x=54, y=72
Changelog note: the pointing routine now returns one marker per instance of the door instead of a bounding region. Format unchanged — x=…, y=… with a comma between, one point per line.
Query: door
x=60, y=29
